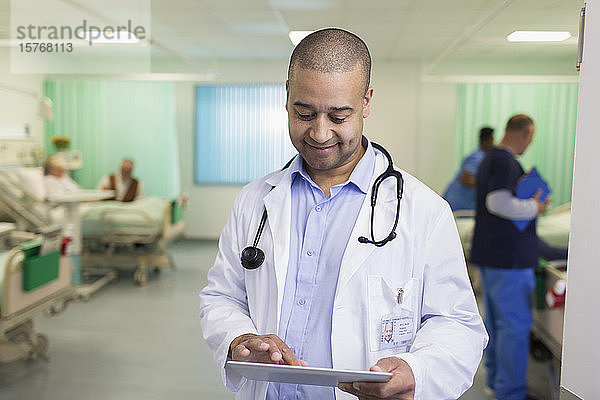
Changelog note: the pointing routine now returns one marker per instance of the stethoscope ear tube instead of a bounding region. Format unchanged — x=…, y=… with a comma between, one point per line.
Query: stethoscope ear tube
x=390, y=172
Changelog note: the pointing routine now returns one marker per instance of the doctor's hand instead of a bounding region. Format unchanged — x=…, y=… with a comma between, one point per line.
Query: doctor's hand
x=400, y=387
x=263, y=349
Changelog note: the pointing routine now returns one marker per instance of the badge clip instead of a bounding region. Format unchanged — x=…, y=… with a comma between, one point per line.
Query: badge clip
x=400, y=295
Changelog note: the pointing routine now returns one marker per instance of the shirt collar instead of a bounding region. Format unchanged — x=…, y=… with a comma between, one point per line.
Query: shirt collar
x=360, y=176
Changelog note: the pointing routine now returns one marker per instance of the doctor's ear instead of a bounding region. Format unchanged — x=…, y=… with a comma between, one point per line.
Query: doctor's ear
x=287, y=93
x=367, y=102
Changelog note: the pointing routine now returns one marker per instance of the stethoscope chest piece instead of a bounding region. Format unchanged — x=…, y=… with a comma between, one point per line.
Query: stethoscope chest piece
x=252, y=257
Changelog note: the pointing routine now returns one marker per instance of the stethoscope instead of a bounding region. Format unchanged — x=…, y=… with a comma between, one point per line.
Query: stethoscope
x=252, y=257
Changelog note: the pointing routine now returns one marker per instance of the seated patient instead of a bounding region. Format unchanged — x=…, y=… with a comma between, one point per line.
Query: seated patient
x=125, y=186
x=56, y=179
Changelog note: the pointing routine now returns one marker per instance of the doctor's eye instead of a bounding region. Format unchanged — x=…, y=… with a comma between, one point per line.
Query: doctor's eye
x=305, y=117
x=336, y=120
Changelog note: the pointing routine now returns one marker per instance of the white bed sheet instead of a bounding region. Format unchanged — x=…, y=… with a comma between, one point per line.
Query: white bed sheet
x=91, y=224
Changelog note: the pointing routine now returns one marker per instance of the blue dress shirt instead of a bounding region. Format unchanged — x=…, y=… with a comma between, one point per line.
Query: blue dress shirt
x=320, y=229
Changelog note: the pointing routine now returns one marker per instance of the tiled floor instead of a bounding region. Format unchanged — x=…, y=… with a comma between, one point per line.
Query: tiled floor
x=130, y=342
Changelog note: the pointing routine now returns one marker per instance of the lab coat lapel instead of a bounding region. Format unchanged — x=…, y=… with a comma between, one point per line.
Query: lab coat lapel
x=356, y=253
x=278, y=204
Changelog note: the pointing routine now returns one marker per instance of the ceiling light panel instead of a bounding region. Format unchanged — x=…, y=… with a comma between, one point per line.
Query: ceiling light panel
x=538, y=36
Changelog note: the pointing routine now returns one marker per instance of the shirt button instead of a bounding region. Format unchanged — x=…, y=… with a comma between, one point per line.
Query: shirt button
x=318, y=208
x=309, y=253
x=302, y=302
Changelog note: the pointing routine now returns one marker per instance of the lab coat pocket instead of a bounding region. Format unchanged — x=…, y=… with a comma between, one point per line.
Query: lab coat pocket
x=392, y=314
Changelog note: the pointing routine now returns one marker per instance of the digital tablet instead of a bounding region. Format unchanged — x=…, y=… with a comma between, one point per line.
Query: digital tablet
x=303, y=375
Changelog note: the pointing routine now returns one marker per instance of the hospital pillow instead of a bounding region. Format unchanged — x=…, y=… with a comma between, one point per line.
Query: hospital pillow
x=33, y=180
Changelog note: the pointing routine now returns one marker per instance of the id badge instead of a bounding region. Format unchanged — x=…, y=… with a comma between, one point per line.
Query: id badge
x=396, y=330
x=391, y=314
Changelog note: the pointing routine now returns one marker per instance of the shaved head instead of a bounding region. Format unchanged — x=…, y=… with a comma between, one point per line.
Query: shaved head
x=518, y=123
x=332, y=50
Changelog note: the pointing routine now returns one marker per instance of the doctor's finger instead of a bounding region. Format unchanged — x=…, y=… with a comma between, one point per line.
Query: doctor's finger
x=244, y=351
x=256, y=344
x=248, y=350
x=240, y=352
x=347, y=387
x=373, y=392
x=280, y=352
x=287, y=355
x=289, y=358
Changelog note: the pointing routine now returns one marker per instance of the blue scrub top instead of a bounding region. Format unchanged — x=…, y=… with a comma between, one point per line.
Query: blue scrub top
x=497, y=242
x=459, y=196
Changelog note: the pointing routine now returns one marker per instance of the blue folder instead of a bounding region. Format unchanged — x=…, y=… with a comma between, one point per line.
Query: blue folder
x=526, y=188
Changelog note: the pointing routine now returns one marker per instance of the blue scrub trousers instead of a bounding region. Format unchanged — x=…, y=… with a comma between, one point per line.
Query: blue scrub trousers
x=508, y=300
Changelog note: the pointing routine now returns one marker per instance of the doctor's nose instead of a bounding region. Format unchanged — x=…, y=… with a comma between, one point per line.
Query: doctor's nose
x=320, y=131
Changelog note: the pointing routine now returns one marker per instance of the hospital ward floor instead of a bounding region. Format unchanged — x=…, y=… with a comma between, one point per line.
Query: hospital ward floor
x=128, y=342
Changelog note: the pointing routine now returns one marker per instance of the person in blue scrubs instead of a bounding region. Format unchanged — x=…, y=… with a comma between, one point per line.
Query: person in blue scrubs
x=460, y=194
x=507, y=257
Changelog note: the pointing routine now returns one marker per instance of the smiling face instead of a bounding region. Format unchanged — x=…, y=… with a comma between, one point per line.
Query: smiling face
x=325, y=117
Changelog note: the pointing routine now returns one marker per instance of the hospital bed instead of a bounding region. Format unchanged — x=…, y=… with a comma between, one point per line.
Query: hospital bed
x=30, y=284
x=22, y=198
x=552, y=227
x=113, y=234
x=548, y=323
x=136, y=234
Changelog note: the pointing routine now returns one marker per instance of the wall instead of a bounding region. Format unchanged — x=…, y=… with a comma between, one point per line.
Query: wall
x=582, y=326
x=209, y=205
x=437, y=161
x=413, y=120
x=17, y=109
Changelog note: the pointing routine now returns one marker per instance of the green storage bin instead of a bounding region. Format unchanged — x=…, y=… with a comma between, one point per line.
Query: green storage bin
x=39, y=270
x=176, y=212
x=31, y=248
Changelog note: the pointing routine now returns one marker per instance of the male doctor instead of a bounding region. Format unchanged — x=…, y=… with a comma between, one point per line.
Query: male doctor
x=322, y=297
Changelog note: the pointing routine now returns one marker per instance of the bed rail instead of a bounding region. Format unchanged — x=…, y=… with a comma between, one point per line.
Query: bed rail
x=20, y=203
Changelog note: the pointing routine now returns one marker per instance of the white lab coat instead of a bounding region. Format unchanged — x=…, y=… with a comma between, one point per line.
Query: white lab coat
x=425, y=259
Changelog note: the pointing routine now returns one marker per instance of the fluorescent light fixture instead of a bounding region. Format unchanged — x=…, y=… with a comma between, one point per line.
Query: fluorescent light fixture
x=297, y=36
x=110, y=37
x=538, y=36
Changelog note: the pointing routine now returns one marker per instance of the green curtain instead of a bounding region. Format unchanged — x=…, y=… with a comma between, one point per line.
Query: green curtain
x=553, y=107
x=112, y=120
